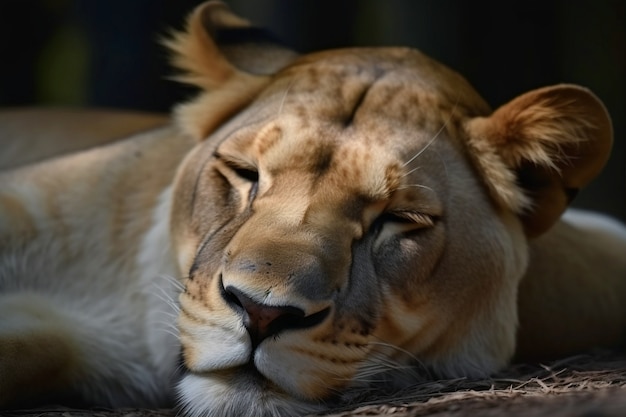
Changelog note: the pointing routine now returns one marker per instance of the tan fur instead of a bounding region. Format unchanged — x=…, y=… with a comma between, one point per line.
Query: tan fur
x=558, y=136
x=29, y=135
x=22, y=355
x=334, y=220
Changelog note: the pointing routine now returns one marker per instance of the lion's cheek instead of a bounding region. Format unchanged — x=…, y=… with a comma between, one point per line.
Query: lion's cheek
x=185, y=253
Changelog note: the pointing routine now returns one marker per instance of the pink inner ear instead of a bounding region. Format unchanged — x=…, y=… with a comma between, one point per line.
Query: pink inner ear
x=553, y=141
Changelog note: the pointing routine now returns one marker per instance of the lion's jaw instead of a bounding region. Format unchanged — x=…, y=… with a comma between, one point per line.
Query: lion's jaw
x=337, y=208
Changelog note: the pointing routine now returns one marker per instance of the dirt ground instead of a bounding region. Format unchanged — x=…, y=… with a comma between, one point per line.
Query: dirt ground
x=581, y=386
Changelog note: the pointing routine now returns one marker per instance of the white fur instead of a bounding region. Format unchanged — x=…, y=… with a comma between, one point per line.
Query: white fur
x=600, y=225
x=236, y=395
x=158, y=275
x=117, y=322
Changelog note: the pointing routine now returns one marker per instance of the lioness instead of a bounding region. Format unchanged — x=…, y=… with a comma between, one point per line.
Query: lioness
x=308, y=227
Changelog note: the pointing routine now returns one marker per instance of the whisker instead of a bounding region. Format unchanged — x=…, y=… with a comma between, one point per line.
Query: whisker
x=170, y=332
x=162, y=295
x=413, y=366
x=421, y=151
x=381, y=366
x=374, y=371
x=396, y=348
x=411, y=171
x=403, y=187
x=434, y=138
x=166, y=293
x=176, y=282
x=284, y=98
x=171, y=315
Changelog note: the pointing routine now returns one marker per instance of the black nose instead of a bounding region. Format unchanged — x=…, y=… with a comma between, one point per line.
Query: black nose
x=262, y=321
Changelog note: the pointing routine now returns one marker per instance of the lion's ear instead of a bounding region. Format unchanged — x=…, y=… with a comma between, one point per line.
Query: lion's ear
x=538, y=150
x=226, y=57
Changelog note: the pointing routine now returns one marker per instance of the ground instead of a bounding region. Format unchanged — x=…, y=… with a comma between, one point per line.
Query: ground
x=591, y=385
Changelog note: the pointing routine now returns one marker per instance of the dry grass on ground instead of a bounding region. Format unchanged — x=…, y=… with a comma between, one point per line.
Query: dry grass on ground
x=580, y=386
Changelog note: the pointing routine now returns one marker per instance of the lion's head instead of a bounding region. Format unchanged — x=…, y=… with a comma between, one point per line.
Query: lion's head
x=348, y=213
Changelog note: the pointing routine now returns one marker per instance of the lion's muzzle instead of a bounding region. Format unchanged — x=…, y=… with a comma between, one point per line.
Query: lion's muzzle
x=262, y=321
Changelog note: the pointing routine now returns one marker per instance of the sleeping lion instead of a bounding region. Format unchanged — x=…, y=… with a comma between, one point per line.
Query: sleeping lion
x=308, y=227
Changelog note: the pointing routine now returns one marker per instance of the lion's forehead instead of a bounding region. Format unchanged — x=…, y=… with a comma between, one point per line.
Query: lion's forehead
x=353, y=106
x=353, y=161
x=356, y=121
x=359, y=98
x=374, y=89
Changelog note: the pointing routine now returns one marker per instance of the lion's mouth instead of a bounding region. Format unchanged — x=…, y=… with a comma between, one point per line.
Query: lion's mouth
x=248, y=372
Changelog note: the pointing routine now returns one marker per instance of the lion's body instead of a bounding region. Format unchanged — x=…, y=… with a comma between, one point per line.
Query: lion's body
x=298, y=235
x=59, y=246
x=31, y=135
x=583, y=258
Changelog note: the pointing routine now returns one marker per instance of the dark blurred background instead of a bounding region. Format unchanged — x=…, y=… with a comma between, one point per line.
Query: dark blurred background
x=104, y=53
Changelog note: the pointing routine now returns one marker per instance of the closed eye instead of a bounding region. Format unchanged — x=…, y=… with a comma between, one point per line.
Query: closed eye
x=399, y=223
x=405, y=220
x=250, y=175
x=243, y=173
x=409, y=217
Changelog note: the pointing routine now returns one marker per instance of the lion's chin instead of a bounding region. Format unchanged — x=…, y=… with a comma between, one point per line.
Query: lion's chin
x=241, y=392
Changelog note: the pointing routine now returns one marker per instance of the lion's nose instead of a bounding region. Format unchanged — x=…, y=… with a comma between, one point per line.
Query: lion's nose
x=262, y=321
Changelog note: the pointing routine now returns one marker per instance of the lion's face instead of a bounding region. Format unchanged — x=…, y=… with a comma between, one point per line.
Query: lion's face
x=335, y=229
x=349, y=220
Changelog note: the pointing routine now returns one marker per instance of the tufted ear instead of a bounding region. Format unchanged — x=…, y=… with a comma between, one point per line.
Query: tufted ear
x=538, y=150
x=226, y=57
